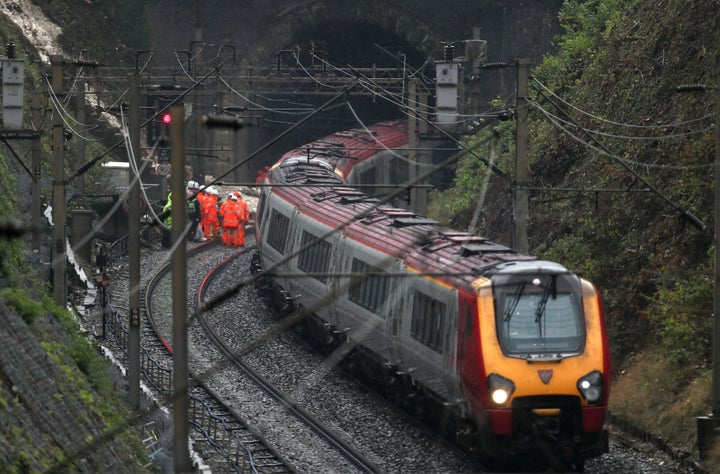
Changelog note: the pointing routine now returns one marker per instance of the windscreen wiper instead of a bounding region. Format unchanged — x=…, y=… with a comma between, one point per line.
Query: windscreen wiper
x=547, y=291
x=514, y=302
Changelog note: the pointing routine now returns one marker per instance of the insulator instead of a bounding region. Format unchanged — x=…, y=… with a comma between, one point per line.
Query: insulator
x=691, y=87
x=449, y=52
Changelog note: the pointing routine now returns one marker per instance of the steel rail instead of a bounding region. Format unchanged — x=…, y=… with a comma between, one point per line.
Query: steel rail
x=347, y=450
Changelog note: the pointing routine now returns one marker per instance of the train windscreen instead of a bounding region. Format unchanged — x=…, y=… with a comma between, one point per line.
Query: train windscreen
x=539, y=314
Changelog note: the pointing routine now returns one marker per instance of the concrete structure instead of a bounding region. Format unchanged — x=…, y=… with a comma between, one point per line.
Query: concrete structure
x=278, y=39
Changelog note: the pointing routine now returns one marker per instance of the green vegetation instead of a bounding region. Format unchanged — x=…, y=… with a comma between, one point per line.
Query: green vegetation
x=620, y=62
x=80, y=374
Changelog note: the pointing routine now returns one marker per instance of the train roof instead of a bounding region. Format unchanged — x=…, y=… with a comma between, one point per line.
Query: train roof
x=314, y=185
x=343, y=150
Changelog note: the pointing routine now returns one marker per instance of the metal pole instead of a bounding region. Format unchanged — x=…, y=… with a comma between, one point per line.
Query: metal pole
x=35, y=205
x=716, y=271
x=80, y=111
x=59, y=259
x=134, y=244
x=412, y=140
x=520, y=203
x=420, y=204
x=708, y=427
x=179, y=293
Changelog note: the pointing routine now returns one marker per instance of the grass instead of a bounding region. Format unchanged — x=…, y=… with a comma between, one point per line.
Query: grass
x=664, y=398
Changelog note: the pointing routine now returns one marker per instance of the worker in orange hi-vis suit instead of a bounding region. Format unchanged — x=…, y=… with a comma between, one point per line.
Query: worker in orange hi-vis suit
x=209, y=213
x=227, y=216
x=200, y=197
x=243, y=216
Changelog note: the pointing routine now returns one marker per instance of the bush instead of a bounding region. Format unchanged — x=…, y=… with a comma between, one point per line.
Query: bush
x=25, y=307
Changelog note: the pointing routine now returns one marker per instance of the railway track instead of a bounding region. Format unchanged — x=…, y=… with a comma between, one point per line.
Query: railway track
x=227, y=441
x=363, y=421
x=285, y=401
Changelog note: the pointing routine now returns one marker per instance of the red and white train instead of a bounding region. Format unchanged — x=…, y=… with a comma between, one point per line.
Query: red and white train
x=507, y=352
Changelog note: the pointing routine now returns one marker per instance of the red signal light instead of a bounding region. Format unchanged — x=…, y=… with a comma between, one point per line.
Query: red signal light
x=166, y=118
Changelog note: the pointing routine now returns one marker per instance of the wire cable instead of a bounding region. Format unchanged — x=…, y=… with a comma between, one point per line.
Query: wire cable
x=620, y=124
x=556, y=121
x=694, y=220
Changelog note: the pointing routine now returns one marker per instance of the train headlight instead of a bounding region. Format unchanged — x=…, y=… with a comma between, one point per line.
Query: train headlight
x=591, y=386
x=500, y=388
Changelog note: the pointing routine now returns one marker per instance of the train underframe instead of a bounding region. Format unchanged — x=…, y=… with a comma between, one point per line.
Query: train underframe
x=536, y=441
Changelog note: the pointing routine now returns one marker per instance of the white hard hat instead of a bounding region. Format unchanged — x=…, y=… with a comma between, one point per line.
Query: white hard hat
x=233, y=197
x=193, y=185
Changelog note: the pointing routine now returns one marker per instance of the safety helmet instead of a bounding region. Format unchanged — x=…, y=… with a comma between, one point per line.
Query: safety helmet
x=193, y=185
x=237, y=193
x=233, y=197
x=211, y=190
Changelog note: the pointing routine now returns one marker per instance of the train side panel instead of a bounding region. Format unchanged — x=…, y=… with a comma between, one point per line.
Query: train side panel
x=513, y=348
x=363, y=304
x=315, y=247
x=275, y=235
x=427, y=335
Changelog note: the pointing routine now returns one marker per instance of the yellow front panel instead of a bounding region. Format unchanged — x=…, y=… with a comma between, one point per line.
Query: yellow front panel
x=526, y=375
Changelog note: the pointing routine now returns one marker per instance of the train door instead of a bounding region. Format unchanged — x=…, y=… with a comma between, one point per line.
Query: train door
x=336, y=284
x=425, y=332
x=363, y=300
x=314, y=247
x=397, y=301
x=451, y=350
x=275, y=240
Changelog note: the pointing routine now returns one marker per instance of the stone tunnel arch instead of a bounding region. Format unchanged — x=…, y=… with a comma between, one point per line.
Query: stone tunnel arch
x=342, y=25
x=295, y=26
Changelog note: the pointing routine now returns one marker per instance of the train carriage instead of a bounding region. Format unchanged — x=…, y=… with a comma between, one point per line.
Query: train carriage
x=511, y=349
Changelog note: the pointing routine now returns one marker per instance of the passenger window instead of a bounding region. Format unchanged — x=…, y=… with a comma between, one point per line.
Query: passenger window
x=316, y=258
x=428, y=321
x=368, y=287
x=278, y=231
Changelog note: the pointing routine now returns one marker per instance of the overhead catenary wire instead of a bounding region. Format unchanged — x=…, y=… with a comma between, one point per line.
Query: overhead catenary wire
x=86, y=167
x=271, y=142
x=666, y=136
x=137, y=173
x=558, y=122
x=66, y=116
x=459, y=143
x=388, y=198
x=611, y=122
x=598, y=146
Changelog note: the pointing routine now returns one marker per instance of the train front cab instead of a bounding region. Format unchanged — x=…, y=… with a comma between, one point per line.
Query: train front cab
x=544, y=360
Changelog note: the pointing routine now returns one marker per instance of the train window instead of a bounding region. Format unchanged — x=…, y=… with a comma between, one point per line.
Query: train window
x=316, y=258
x=278, y=231
x=368, y=288
x=428, y=321
x=539, y=314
